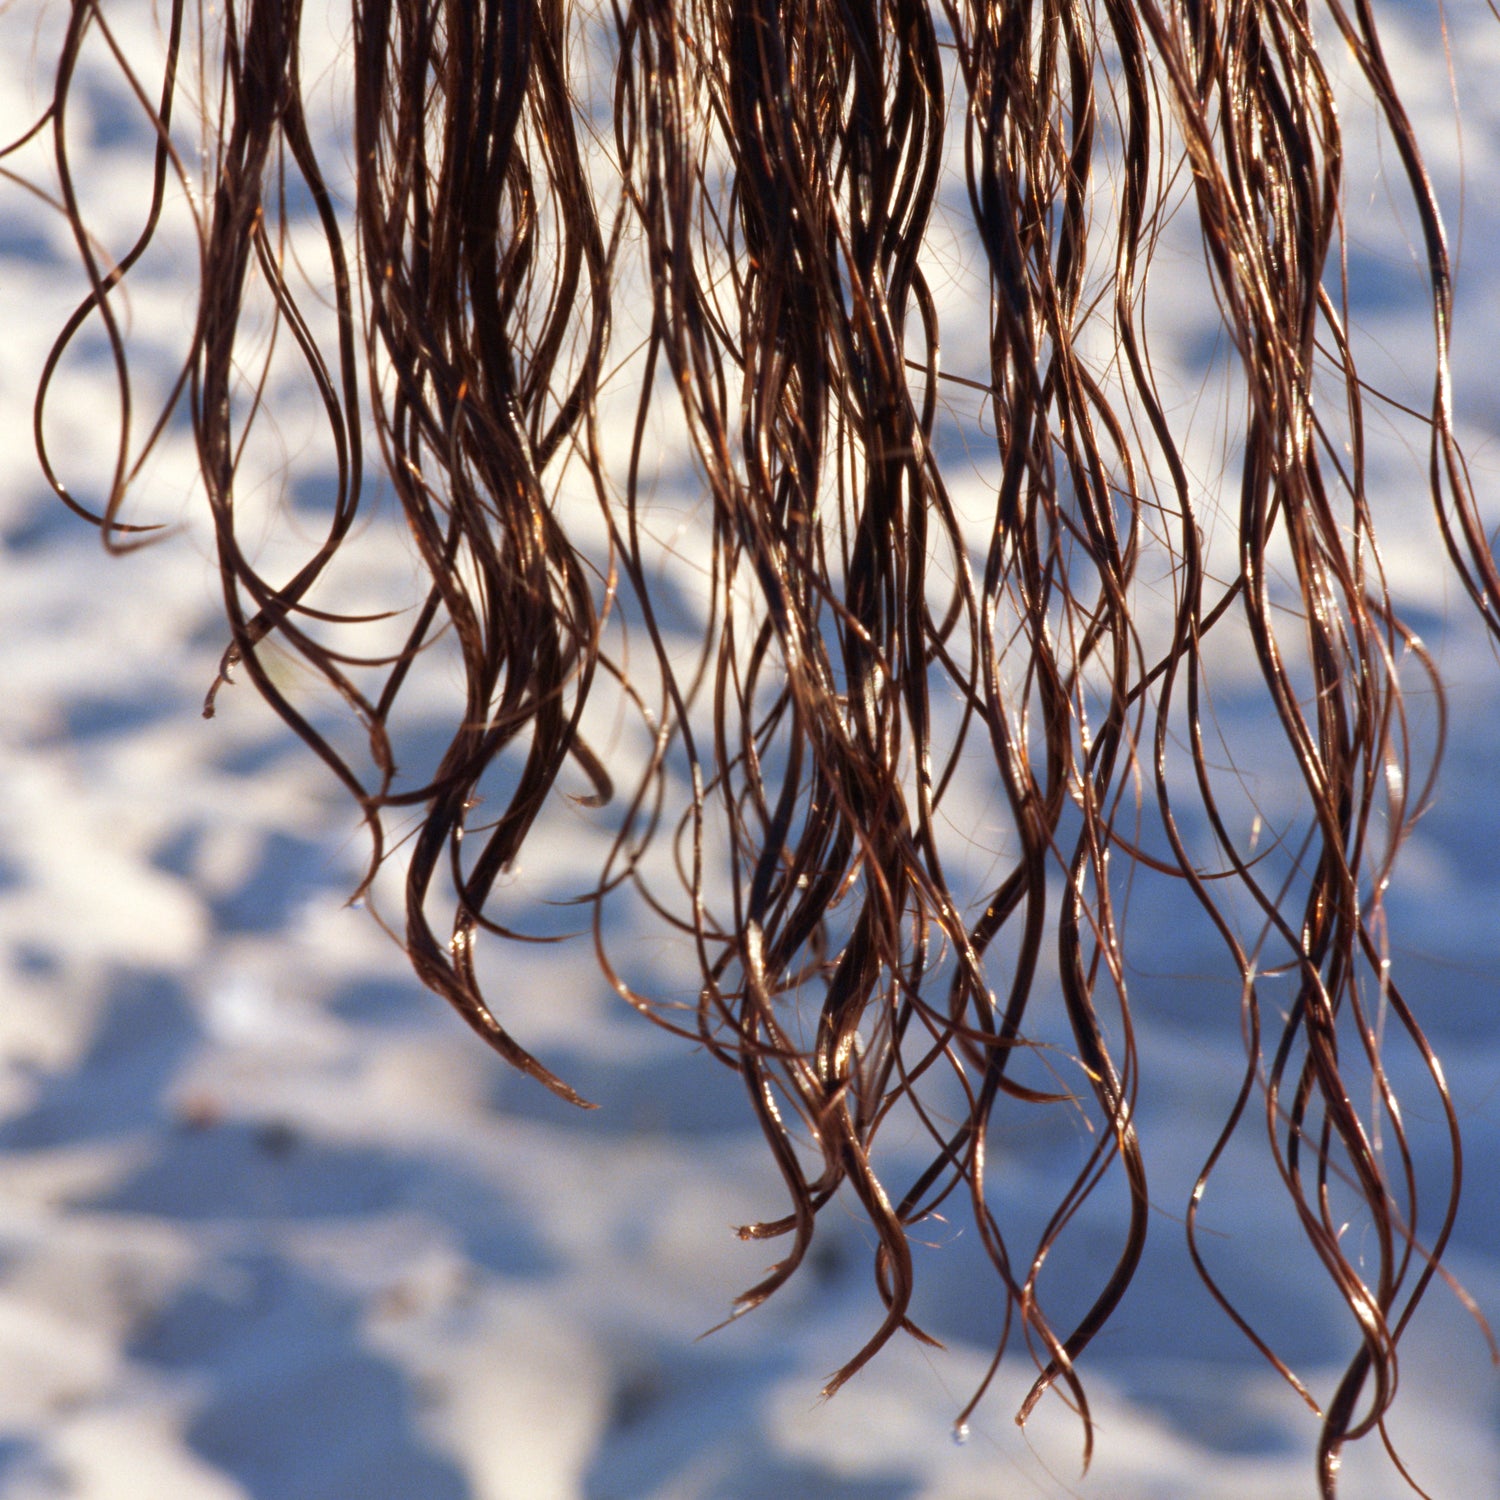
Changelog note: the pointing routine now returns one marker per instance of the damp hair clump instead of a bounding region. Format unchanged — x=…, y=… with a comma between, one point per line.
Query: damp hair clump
x=879, y=276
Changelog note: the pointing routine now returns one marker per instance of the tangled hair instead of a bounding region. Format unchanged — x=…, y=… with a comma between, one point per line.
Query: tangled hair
x=884, y=603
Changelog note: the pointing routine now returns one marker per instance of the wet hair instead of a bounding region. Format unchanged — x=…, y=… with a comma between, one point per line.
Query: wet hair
x=805, y=522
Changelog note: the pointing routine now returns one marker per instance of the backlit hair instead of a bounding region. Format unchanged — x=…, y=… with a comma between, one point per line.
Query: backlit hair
x=767, y=389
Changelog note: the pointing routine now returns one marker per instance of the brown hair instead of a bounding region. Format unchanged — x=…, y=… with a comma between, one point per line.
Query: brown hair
x=775, y=181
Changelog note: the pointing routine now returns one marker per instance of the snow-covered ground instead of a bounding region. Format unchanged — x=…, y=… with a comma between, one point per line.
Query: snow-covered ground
x=272, y=1225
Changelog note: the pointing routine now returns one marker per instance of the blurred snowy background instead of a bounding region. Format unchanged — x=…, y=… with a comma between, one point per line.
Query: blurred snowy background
x=274, y=1227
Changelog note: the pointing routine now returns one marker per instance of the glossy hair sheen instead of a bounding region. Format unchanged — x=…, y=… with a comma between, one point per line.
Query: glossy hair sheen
x=559, y=232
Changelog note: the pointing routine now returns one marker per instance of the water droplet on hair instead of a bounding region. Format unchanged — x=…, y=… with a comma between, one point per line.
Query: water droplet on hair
x=961, y=1433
